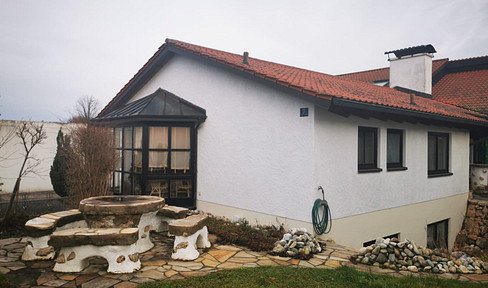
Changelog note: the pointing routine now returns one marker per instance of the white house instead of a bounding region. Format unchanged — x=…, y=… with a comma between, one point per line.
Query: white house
x=238, y=136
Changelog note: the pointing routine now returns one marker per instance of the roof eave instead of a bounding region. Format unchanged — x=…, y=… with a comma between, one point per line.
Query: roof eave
x=361, y=109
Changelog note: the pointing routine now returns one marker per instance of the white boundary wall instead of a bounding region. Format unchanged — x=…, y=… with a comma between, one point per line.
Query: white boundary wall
x=14, y=151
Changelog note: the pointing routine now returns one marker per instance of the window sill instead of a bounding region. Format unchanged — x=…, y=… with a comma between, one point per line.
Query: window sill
x=370, y=170
x=396, y=169
x=440, y=175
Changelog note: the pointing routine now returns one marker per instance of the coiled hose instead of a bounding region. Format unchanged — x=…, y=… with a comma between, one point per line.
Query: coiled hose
x=321, y=218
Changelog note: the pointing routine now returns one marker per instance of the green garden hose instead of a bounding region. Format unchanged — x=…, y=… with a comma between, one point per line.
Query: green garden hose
x=321, y=218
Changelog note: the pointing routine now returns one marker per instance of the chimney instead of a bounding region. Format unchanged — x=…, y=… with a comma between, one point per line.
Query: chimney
x=412, y=68
x=245, y=57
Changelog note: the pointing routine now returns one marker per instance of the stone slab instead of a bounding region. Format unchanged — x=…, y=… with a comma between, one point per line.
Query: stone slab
x=188, y=226
x=97, y=237
x=173, y=212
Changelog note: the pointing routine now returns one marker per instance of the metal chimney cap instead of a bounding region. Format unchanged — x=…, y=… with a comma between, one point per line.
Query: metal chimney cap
x=413, y=50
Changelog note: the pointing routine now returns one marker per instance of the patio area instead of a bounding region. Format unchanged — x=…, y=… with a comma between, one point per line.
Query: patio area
x=158, y=266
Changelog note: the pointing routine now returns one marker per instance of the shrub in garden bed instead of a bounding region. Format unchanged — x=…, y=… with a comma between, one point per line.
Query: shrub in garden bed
x=256, y=238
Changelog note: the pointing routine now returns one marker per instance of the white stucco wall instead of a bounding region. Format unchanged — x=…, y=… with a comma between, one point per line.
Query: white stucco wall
x=14, y=151
x=259, y=160
x=352, y=193
x=412, y=72
x=254, y=151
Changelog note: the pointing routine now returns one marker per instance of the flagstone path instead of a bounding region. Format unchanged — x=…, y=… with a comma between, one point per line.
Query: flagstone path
x=158, y=266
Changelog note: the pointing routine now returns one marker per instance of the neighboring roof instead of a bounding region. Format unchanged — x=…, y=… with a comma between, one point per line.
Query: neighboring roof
x=315, y=84
x=383, y=74
x=160, y=104
x=463, y=82
x=467, y=89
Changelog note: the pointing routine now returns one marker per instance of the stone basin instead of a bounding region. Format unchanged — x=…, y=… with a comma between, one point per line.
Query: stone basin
x=122, y=211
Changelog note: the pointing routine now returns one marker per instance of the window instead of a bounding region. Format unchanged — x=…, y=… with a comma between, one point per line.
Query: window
x=394, y=150
x=156, y=160
x=437, y=234
x=438, y=153
x=368, y=149
x=371, y=242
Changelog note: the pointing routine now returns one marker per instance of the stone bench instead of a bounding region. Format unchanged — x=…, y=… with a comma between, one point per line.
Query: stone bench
x=190, y=233
x=40, y=228
x=116, y=245
x=168, y=214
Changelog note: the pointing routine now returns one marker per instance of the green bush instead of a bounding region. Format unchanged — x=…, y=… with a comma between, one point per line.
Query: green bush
x=58, y=169
x=256, y=238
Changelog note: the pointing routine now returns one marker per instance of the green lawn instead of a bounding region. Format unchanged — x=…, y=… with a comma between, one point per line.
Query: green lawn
x=280, y=276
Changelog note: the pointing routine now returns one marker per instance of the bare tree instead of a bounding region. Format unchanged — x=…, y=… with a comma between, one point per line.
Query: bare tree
x=31, y=135
x=86, y=109
x=6, y=135
x=90, y=160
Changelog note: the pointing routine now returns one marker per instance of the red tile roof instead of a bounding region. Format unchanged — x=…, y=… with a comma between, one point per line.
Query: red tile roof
x=317, y=84
x=467, y=89
x=383, y=74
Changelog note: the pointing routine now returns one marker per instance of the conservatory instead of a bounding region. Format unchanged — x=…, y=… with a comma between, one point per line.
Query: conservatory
x=156, y=140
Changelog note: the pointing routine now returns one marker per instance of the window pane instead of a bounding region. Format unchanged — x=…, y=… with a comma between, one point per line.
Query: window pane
x=158, y=137
x=116, y=183
x=181, y=189
x=158, y=162
x=180, y=138
x=361, y=147
x=432, y=152
x=137, y=190
x=118, y=165
x=138, y=161
x=442, y=153
x=118, y=137
x=158, y=188
x=128, y=161
x=180, y=160
x=127, y=184
x=393, y=148
x=369, y=147
x=128, y=137
x=137, y=137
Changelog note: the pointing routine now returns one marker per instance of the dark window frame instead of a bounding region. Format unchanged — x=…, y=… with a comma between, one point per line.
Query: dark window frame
x=438, y=171
x=362, y=166
x=143, y=176
x=433, y=240
x=394, y=166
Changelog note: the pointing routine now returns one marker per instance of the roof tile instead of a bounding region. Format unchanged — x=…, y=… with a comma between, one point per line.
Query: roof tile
x=315, y=83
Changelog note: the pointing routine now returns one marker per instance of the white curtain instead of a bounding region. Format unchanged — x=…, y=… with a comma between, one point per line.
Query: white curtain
x=158, y=137
x=180, y=138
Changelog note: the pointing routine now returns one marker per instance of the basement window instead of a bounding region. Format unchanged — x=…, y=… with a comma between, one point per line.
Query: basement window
x=437, y=234
x=371, y=242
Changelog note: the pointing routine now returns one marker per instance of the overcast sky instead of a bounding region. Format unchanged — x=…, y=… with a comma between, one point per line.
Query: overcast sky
x=52, y=52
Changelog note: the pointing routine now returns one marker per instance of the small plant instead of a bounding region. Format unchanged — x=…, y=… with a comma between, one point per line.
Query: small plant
x=256, y=238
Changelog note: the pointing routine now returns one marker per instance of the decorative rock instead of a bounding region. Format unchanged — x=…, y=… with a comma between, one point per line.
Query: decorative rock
x=120, y=259
x=71, y=256
x=408, y=252
x=413, y=269
x=381, y=258
x=60, y=259
x=463, y=269
x=134, y=257
x=299, y=242
x=45, y=251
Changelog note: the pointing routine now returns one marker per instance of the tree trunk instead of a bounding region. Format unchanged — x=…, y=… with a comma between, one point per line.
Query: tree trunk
x=12, y=200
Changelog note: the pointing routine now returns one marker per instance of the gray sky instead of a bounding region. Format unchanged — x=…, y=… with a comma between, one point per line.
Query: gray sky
x=54, y=51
